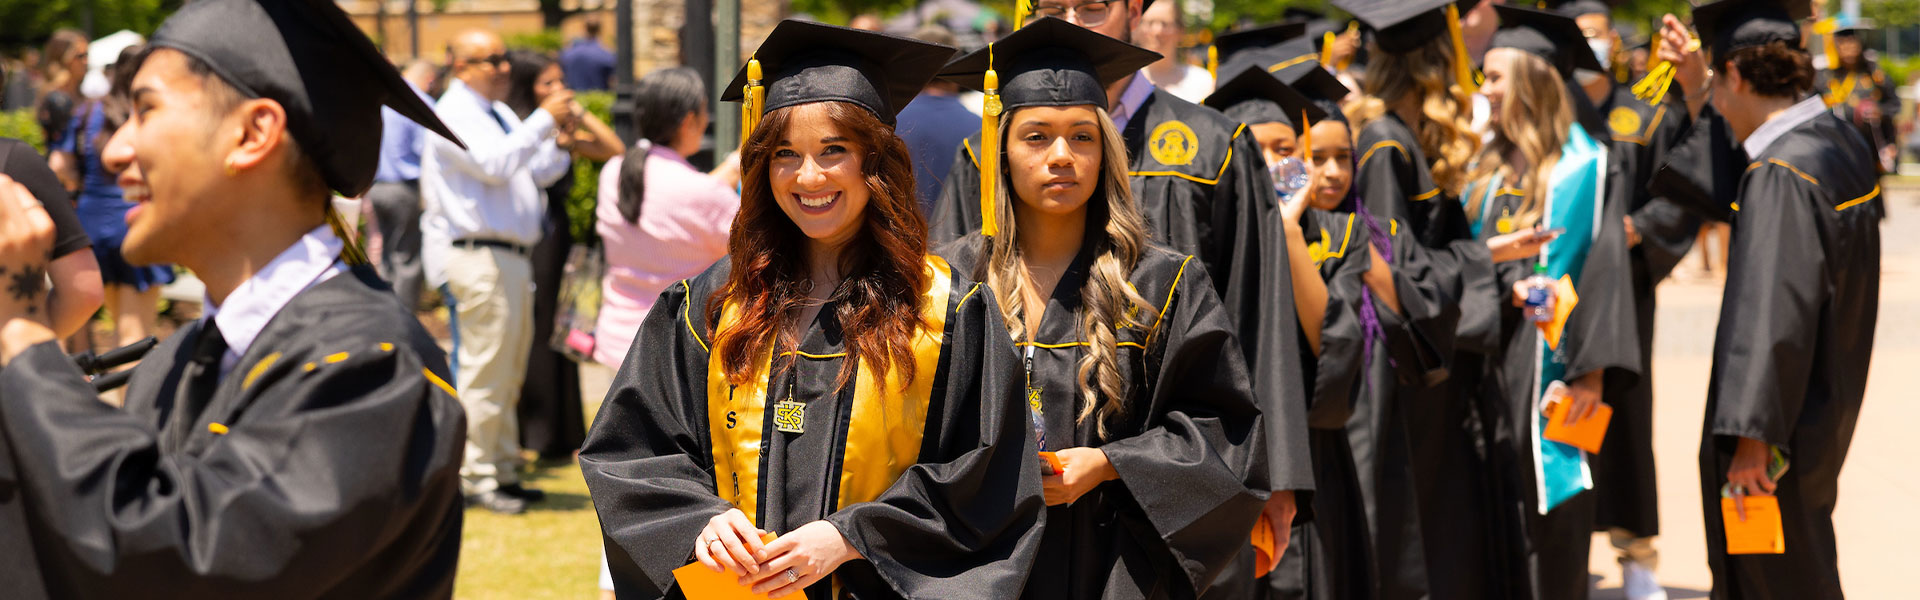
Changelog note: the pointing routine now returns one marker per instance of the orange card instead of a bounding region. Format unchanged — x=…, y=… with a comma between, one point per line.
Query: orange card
x=1565, y=298
x=1761, y=533
x=1052, y=461
x=700, y=583
x=1264, y=557
x=1585, y=435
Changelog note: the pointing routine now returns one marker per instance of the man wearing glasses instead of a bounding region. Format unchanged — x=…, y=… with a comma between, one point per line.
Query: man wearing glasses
x=483, y=211
x=1201, y=181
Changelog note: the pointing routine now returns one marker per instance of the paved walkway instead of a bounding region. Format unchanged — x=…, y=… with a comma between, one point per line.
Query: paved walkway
x=1877, y=548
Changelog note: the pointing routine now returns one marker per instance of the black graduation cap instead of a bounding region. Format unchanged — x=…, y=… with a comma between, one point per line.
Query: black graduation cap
x=1547, y=35
x=1051, y=62
x=1730, y=25
x=1254, y=96
x=1403, y=25
x=1323, y=89
x=1232, y=44
x=804, y=62
x=309, y=57
x=1581, y=8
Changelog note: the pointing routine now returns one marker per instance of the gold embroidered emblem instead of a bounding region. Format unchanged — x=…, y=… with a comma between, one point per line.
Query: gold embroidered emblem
x=1033, y=399
x=1505, y=224
x=1173, y=143
x=1624, y=121
x=790, y=416
x=1318, y=249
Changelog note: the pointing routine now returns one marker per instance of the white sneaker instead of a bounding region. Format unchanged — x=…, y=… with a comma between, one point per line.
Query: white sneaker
x=1640, y=583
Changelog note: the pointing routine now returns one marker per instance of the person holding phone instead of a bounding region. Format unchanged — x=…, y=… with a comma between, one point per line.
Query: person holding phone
x=1132, y=372
x=1545, y=171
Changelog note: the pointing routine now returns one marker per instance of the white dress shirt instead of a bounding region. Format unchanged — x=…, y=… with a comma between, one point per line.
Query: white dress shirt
x=1780, y=124
x=491, y=190
x=313, y=259
x=1138, y=89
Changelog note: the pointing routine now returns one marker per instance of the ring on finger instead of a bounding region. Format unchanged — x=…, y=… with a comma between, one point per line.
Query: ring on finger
x=791, y=576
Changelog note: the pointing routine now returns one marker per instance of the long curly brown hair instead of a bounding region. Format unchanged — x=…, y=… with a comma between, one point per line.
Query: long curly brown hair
x=880, y=298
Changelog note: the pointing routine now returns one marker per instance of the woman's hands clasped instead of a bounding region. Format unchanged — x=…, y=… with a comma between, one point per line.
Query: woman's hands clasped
x=787, y=565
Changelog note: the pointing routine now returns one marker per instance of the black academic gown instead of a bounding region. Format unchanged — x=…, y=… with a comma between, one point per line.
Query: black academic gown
x=1555, y=547
x=1791, y=355
x=1847, y=89
x=1624, y=485
x=949, y=509
x=1331, y=557
x=1464, y=546
x=1188, y=449
x=1203, y=187
x=324, y=466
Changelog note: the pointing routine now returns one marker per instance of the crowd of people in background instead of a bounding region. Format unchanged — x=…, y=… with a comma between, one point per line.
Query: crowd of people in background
x=1336, y=230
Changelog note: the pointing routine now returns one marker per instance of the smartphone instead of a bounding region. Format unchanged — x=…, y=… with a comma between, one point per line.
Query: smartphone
x=1548, y=234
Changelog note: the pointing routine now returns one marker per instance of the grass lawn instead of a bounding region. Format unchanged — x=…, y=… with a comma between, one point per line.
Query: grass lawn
x=552, y=551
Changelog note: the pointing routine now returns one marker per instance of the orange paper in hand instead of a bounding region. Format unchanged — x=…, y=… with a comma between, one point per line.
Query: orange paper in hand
x=1585, y=435
x=1565, y=298
x=700, y=583
x=1761, y=533
x=1264, y=557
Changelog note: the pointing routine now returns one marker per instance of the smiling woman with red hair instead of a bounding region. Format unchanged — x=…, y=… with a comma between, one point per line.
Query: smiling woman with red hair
x=829, y=383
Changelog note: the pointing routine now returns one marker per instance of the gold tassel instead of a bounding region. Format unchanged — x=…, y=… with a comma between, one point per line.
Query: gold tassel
x=753, y=97
x=1306, y=137
x=989, y=149
x=1353, y=28
x=351, y=253
x=1462, y=64
x=1326, y=49
x=1213, y=62
x=1825, y=28
x=1022, y=10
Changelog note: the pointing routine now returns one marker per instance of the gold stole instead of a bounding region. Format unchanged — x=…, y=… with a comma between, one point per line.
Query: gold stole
x=883, y=435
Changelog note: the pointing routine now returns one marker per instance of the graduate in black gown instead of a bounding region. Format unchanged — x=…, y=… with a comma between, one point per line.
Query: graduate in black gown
x=1414, y=142
x=1545, y=167
x=1660, y=232
x=299, y=441
x=1132, y=372
x=829, y=382
x=1198, y=178
x=1791, y=355
x=1331, y=556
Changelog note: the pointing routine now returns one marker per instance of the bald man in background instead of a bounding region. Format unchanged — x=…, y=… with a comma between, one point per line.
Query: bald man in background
x=482, y=217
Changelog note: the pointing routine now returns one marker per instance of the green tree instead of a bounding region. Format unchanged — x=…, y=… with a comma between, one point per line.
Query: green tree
x=29, y=22
x=1891, y=13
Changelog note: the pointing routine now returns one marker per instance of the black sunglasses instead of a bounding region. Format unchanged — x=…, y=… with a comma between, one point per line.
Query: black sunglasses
x=497, y=60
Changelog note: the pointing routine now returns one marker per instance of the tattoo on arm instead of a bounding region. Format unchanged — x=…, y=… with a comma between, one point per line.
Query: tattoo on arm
x=26, y=285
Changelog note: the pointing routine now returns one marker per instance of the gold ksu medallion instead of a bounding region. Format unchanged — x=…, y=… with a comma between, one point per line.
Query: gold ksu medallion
x=1173, y=143
x=790, y=416
x=1624, y=121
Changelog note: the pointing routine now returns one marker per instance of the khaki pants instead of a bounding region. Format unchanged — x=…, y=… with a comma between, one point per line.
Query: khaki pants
x=1634, y=549
x=489, y=295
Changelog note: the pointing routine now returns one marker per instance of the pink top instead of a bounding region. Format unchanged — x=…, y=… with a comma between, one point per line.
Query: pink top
x=682, y=230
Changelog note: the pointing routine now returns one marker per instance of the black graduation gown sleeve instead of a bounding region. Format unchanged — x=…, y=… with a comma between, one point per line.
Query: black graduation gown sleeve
x=1198, y=472
x=958, y=211
x=1776, y=298
x=1343, y=345
x=1702, y=172
x=1666, y=229
x=964, y=521
x=1600, y=334
x=26, y=166
x=336, y=481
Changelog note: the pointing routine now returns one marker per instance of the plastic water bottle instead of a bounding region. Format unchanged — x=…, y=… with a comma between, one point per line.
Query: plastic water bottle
x=1540, y=295
x=1289, y=176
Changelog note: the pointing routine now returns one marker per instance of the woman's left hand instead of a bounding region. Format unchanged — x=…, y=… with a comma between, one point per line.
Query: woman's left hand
x=799, y=559
x=1585, y=393
x=1084, y=469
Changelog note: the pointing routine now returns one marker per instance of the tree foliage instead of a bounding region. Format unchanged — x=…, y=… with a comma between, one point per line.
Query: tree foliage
x=29, y=22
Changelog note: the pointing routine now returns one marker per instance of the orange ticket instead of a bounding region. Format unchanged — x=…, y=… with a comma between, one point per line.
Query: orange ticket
x=1264, y=557
x=1761, y=533
x=1585, y=435
x=700, y=583
x=1565, y=298
x=1052, y=462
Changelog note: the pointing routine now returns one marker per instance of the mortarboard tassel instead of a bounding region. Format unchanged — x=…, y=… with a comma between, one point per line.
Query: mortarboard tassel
x=1022, y=10
x=1326, y=49
x=1213, y=62
x=1353, y=28
x=1825, y=28
x=1306, y=138
x=1462, y=64
x=1653, y=88
x=752, y=98
x=351, y=252
x=990, y=149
